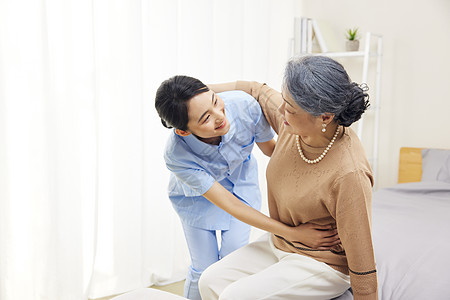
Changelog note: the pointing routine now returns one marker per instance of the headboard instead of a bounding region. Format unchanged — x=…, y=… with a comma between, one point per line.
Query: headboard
x=410, y=165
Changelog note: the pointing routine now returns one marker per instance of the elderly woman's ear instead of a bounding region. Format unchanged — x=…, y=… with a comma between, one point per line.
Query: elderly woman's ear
x=327, y=118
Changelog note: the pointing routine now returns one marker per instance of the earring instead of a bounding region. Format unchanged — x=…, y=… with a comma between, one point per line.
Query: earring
x=324, y=127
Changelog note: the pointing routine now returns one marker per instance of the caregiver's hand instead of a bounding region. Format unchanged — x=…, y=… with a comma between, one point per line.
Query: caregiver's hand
x=321, y=237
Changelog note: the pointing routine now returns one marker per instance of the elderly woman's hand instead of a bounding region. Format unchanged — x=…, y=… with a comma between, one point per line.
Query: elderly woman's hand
x=321, y=237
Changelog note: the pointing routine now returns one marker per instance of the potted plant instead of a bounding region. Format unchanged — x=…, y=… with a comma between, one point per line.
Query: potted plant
x=352, y=43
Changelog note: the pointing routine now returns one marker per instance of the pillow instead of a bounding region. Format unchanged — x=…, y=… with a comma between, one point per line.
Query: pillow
x=444, y=172
x=432, y=162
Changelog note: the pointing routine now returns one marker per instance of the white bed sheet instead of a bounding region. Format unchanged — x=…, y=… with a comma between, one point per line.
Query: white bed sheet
x=411, y=237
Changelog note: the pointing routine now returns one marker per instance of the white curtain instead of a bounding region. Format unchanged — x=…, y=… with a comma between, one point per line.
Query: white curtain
x=83, y=206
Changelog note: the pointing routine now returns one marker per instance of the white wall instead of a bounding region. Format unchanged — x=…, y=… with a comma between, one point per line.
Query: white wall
x=228, y=40
x=415, y=95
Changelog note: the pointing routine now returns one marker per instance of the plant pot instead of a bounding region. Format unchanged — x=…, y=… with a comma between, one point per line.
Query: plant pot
x=352, y=45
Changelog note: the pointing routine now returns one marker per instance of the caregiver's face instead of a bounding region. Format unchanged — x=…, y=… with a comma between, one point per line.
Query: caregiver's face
x=296, y=120
x=207, y=118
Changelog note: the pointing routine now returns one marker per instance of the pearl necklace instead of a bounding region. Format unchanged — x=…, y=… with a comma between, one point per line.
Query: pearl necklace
x=315, y=161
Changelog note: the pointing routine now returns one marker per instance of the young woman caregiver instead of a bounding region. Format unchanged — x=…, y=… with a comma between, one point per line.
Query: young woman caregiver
x=317, y=173
x=213, y=173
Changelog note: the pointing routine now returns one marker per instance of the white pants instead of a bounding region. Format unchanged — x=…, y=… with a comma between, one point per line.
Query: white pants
x=261, y=271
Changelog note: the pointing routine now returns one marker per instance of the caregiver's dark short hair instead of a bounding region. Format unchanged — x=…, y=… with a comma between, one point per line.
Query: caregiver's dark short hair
x=172, y=97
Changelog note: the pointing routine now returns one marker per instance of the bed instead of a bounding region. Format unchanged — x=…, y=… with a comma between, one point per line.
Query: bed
x=411, y=231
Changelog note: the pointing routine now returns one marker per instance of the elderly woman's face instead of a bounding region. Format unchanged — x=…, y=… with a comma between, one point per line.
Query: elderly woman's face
x=296, y=120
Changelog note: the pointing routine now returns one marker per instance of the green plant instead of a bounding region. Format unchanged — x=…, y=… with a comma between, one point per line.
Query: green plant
x=352, y=34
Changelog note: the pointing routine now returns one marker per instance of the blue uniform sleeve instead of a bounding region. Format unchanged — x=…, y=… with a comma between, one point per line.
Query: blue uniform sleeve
x=263, y=130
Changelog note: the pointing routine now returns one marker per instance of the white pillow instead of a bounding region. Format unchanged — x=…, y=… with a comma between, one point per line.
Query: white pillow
x=444, y=172
x=432, y=162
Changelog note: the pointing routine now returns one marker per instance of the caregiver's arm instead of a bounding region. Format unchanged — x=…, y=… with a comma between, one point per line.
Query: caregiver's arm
x=267, y=147
x=250, y=87
x=268, y=98
x=222, y=198
x=223, y=87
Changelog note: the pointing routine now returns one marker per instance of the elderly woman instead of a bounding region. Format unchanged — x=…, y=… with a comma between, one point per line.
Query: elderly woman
x=318, y=173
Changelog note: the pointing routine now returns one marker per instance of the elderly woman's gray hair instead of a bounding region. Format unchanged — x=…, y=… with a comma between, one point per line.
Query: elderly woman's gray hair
x=319, y=85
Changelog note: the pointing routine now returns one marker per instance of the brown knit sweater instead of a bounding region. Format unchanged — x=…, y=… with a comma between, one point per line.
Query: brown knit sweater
x=337, y=189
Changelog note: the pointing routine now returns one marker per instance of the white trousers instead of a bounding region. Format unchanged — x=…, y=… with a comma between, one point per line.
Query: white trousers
x=261, y=271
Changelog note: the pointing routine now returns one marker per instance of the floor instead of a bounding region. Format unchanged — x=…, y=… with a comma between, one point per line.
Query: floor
x=174, y=288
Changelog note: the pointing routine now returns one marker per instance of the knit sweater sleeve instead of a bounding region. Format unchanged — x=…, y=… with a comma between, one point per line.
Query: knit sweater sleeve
x=353, y=214
x=268, y=98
